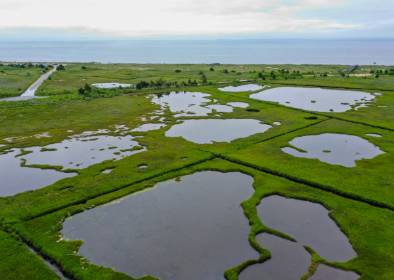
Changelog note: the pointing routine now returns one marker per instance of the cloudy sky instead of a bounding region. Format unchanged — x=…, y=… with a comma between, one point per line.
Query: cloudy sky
x=199, y=18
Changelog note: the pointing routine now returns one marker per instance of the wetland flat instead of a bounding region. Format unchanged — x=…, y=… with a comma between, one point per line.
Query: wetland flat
x=81, y=151
x=183, y=175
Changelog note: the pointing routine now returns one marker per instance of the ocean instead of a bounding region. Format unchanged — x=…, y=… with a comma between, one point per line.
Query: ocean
x=241, y=51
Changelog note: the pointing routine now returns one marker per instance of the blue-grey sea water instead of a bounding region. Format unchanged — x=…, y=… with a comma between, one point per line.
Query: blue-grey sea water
x=241, y=51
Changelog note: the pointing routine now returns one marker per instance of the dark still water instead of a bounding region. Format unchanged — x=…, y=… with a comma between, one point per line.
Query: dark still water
x=190, y=228
x=264, y=51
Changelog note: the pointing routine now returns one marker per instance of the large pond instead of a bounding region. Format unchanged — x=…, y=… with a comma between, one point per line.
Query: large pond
x=16, y=179
x=208, y=131
x=82, y=151
x=242, y=88
x=193, y=228
x=316, y=99
x=191, y=104
x=340, y=149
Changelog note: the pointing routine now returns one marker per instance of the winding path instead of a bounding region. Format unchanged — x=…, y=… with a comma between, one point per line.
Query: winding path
x=30, y=93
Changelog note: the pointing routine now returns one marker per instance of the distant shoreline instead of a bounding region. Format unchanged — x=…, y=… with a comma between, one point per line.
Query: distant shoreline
x=250, y=52
x=187, y=64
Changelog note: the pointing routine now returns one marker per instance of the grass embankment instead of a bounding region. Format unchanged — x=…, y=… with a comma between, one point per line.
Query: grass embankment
x=15, y=80
x=369, y=229
x=17, y=262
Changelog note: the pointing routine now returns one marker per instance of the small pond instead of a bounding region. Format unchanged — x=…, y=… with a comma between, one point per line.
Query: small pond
x=340, y=149
x=208, y=131
x=190, y=104
x=191, y=228
x=111, y=85
x=83, y=150
x=316, y=99
x=184, y=103
x=242, y=88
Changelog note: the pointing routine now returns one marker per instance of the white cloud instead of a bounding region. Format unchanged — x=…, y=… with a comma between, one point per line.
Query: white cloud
x=169, y=17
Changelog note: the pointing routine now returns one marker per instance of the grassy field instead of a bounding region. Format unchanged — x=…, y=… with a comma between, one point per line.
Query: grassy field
x=360, y=199
x=363, y=83
x=15, y=80
x=77, y=75
x=367, y=181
